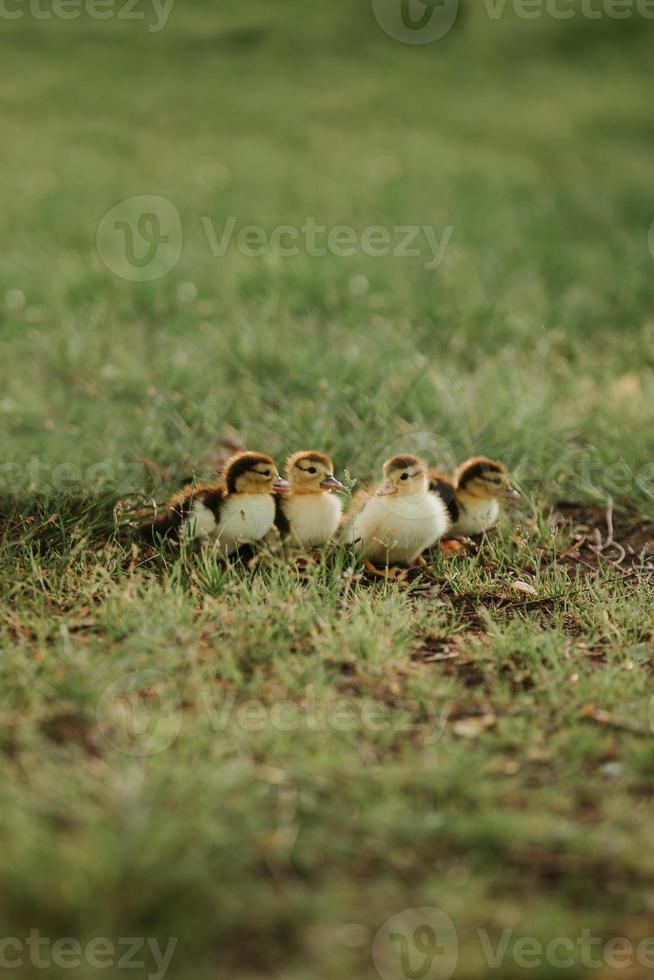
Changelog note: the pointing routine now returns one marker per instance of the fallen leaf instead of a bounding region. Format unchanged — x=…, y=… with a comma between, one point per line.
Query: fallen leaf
x=474, y=726
x=601, y=717
x=524, y=587
x=503, y=767
x=538, y=756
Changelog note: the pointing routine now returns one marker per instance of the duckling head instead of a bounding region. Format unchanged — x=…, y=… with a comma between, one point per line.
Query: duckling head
x=404, y=475
x=311, y=472
x=484, y=478
x=253, y=473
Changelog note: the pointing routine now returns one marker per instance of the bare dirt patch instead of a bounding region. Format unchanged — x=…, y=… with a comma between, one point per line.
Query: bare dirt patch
x=600, y=535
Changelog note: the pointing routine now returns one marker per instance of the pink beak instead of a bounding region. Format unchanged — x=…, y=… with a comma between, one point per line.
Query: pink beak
x=281, y=485
x=329, y=483
x=386, y=488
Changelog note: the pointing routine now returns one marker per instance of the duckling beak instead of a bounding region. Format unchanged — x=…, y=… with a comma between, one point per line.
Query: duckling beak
x=386, y=488
x=281, y=485
x=510, y=493
x=330, y=483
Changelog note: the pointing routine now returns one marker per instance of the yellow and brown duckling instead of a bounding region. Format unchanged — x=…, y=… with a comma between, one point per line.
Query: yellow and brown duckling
x=474, y=495
x=309, y=514
x=237, y=510
x=395, y=521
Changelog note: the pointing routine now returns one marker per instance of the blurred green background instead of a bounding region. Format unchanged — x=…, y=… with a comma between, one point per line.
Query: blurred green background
x=530, y=139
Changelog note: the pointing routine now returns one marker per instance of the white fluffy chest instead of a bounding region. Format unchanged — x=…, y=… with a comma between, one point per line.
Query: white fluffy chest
x=313, y=518
x=243, y=518
x=396, y=529
x=477, y=517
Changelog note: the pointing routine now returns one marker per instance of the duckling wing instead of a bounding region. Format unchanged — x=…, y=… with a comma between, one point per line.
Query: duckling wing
x=212, y=498
x=181, y=504
x=196, y=510
x=444, y=488
x=348, y=533
x=281, y=520
x=368, y=523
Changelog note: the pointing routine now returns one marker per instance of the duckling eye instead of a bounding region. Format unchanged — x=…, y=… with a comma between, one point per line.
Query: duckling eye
x=265, y=473
x=405, y=476
x=312, y=470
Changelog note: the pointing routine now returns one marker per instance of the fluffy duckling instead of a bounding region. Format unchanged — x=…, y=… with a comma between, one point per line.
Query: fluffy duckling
x=237, y=510
x=309, y=514
x=400, y=518
x=473, y=497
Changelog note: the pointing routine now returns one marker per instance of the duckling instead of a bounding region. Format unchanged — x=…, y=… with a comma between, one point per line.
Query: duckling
x=309, y=514
x=395, y=521
x=474, y=495
x=237, y=510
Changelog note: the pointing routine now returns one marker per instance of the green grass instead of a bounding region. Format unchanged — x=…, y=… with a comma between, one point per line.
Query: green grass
x=311, y=770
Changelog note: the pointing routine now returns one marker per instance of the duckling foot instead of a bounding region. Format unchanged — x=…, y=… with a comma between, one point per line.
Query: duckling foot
x=451, y=547
x=422, y=564
x=305, y=561
x=391, y=572
x=306, y=556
